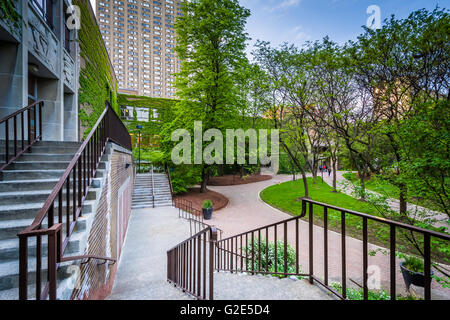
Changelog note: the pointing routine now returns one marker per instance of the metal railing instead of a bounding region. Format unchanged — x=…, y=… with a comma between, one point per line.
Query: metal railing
x=190, y=264
x=194, y=216
x=249, y=251
x=153, y=188
x=34, y=131
x=67, y=208
x=167, y=170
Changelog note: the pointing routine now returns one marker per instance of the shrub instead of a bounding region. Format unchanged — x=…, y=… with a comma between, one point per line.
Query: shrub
x=412, y=263
x=358, y=294
x=207, y=204
x=259, y=256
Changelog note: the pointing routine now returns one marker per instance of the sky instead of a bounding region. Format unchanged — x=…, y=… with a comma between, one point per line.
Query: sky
x=298, y=21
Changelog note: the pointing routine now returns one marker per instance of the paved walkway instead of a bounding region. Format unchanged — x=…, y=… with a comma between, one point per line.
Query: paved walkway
x=142, y=272
x=247, y=211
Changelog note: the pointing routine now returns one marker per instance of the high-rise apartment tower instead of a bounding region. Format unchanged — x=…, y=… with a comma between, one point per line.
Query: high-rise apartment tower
x=140, y=39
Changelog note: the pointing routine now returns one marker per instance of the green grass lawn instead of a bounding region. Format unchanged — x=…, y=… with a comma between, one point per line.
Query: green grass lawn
x=385, y=188
x=285, y=197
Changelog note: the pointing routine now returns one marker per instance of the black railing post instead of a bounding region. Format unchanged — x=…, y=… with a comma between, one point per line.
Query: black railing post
x=311, y=244
x=212, y=245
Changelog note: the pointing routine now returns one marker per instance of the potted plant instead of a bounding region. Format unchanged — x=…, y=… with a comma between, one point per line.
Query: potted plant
x=413, y=271
x=207, y=209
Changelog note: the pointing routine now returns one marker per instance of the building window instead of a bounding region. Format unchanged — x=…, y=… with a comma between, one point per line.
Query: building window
x=45, y=9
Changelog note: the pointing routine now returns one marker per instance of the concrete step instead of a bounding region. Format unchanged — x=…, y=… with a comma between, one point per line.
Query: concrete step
x=241, y=286
x=59, y=143
x=10, y=228
x=45, y=157
x=13, y=175
x=9, y=273
x=43, y=149
x=163, y=203
x=142, y=190
x=29, y=210
x=47, y=143
x=29, y=185
x=137, y=198
x=45, y=165
x=18, y=197
x=146, y=196
x=9, y=248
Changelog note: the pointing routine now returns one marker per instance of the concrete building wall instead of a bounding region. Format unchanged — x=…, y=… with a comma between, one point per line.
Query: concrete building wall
x=38, y=51
x=108, y=228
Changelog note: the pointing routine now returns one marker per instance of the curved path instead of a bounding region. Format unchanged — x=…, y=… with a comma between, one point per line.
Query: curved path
x=246, y=211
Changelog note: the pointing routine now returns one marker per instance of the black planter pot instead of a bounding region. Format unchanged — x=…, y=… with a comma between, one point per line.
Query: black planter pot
x=411, y=277
x=207, y=213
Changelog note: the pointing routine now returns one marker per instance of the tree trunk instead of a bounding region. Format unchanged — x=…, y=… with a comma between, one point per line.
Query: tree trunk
x=314, y=169
x=205, y=177
x=305, y=183
x=402, y=198
x=334, y=175
x=363, y=183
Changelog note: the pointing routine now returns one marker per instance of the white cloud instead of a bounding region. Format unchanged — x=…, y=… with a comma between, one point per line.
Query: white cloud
x=289, y=3
x=285, y=4
x=298, y=35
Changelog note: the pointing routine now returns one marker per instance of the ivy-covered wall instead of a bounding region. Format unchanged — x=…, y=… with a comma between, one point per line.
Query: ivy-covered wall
x=9, y=14
x=149, y=128
x=97, y=79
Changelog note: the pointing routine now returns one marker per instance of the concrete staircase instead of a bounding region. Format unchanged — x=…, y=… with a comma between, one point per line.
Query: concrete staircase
x=144, y=196
x=163, y=197
x=24, y=187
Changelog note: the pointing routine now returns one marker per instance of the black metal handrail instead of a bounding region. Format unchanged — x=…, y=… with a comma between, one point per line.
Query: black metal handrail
x=190, y=264
x=167, y=170
x=153, y=188
x=194, y=216
x=242, y=252
x=32, y=135
x=82, y=169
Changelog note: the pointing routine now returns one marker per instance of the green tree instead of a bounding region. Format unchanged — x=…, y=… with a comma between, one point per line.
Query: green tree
x=210, y=44
x=402, y=65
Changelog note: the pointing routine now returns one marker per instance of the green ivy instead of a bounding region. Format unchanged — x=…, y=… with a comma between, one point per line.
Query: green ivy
x=97, y=80
x=9, y=14
x=149, y=128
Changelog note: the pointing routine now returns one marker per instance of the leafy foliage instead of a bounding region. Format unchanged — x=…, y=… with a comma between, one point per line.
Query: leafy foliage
x=358, y=294
x=210, y=44
x=97, y=80
x=9, y=14
x=257, y=250
x=207, y=204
